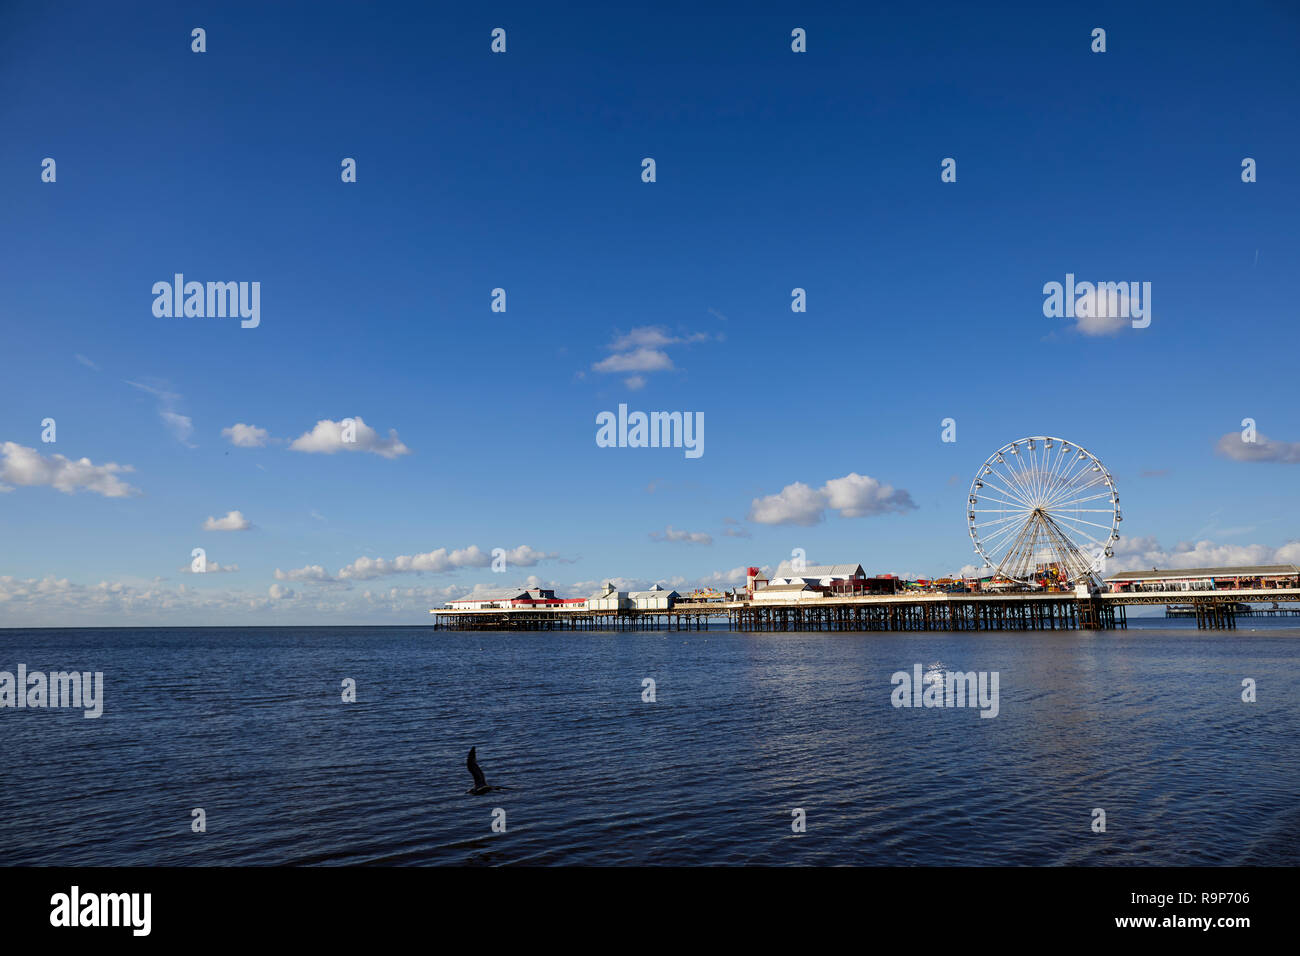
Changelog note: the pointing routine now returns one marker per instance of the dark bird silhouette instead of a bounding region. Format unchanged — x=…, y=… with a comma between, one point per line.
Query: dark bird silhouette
x=480, y=782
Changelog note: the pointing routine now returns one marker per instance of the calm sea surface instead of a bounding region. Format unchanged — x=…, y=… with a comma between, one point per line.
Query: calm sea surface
x=1147, y=724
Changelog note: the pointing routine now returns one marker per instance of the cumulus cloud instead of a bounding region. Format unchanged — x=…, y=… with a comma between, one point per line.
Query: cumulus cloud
x=1104, y=308
x=245, y=436
x=1137, y=554
x=435, y=562
x=794, y=504
x=856, y=496
x=689, y=537
x=327, y=438
x=1232, y=446
x=27, y=467
x=853, y=496
x=233, y=521
x=54, y=601
x=312, y=572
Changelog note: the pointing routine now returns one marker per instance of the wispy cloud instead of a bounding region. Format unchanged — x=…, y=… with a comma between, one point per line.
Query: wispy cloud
x=246, y=436
x=1232, y=446
x=688, y=537
x=440, y=561
x=638, y=360
x=642, y=351
x=181, y=426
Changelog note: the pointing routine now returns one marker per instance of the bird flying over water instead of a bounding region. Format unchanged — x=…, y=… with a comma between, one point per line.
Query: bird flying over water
x=480, y=782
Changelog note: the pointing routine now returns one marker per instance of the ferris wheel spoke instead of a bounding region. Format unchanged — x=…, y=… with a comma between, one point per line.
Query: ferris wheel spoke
x=1023, y=484
x=1000, y=536
x=1096, y=480
x=1083, y=533
x=1079, y=501
x=1006, y=487
x=999, y=499
x=1014, y=495
x=992, y=521
x=1104, y=527
x=1005, y=535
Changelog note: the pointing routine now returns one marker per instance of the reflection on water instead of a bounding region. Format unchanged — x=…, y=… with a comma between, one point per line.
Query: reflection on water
x=1147, y=724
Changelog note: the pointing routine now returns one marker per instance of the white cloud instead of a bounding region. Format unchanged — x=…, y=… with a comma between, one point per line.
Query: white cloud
x=233, y=521
x=794, y=504
x=640, y=360
x=857, y=496
x=85, y=361
x=246, y=436
x=312, y=572
x=642, y=351
x=1261, y=449
x=853, y=496
x=1139, y=554
x=28, y=467
x=327, y=438
x=690, y=537
x=654, y=337
x=58, y=602
x=211, y=567
x=440, y=561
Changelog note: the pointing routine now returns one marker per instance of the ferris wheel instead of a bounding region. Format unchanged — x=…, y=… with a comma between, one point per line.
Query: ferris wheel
x=1043, y=509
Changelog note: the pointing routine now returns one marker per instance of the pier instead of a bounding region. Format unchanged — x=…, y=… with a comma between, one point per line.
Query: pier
x=1016, y=611
x=919, y=612
x=845, y=599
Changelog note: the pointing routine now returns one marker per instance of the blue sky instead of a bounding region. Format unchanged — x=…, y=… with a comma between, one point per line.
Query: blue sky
x=522, y=171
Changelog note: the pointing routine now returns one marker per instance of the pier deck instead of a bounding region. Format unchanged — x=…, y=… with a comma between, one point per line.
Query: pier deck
x=1011, y=611
x=900, y=612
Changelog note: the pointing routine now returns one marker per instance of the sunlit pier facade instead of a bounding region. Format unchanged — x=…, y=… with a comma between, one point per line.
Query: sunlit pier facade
x=1214, y=597
x=923, y=612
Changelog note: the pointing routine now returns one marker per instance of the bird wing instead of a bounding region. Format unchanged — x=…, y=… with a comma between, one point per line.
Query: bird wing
x=479, y=780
